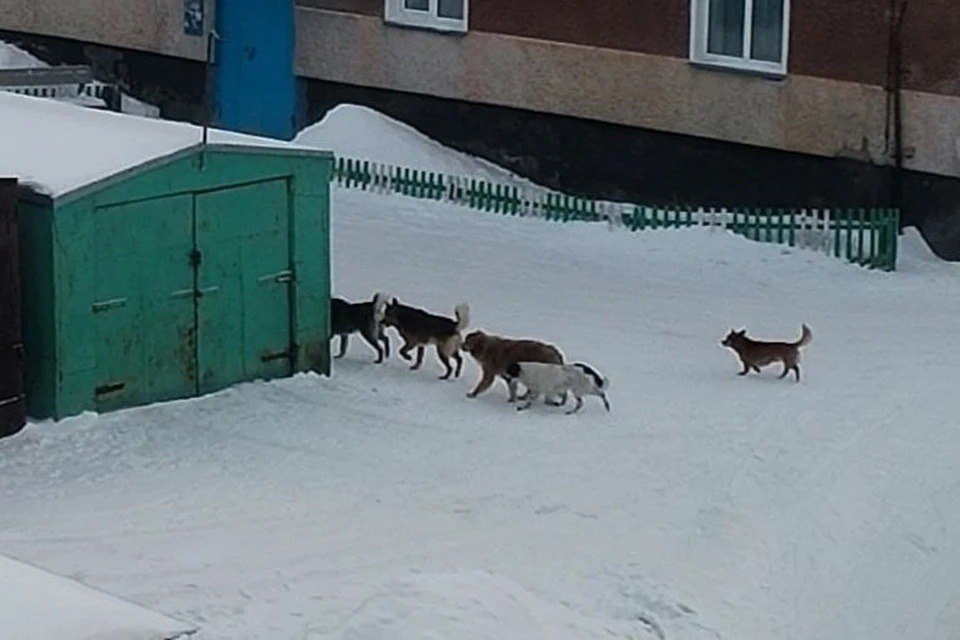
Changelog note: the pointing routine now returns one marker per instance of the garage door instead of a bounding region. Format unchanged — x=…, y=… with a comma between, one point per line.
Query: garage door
x=144, y=307
x=244, y=284
x=193, y=294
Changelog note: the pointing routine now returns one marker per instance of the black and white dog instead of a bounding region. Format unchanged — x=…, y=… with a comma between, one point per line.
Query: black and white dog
x=365, y=318
x=556, y=380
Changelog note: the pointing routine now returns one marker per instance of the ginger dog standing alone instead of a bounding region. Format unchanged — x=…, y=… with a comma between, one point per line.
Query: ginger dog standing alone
x=755, y=354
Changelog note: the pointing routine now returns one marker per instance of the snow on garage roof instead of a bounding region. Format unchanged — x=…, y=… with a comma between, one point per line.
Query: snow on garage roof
x=37, y=605
x=56, y=148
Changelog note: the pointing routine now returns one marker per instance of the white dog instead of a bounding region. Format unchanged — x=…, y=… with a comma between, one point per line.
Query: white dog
x=556, y=380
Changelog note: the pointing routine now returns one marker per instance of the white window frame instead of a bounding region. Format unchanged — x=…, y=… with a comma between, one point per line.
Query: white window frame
x=395, y=13
x=699, y=39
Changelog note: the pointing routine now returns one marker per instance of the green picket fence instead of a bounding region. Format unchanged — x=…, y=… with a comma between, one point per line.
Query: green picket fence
x=862, y=236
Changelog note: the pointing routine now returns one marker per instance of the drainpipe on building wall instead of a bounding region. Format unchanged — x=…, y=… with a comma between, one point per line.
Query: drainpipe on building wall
x=895, y=98
x=212, y=38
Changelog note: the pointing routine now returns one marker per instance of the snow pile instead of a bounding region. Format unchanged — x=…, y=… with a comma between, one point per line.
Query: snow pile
x=35, y=604
x=914, y=254
x=12, y=57
x=358, y=132
x=57, y=147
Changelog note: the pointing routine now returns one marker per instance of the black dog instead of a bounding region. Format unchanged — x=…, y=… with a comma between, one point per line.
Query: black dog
x=365, y=318
x=419, y=328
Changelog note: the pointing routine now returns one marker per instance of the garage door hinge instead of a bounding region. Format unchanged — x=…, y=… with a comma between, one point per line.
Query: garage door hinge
x=111, y=387
x=195, y=258
x=288, y=354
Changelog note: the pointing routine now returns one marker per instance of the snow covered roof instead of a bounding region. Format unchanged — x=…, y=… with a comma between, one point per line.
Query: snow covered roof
x=37, y=605
x=57, y=148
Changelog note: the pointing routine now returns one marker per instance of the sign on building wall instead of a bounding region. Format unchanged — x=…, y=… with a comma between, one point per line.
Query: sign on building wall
x=193, y=17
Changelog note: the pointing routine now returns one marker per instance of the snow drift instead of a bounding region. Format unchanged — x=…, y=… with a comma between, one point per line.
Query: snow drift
x=354, y=131
x=35, y=604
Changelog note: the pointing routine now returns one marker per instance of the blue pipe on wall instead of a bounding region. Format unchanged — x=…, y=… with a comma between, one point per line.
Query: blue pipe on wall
x=254, y=82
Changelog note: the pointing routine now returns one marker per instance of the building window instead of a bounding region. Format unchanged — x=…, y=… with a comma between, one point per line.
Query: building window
x=442, y=15
x=742, y=34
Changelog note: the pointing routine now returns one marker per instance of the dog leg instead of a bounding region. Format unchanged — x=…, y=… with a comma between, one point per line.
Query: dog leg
x=386, y=342
x=405, y=350
x=796, y=371
x=446, y=364
x=459, y=358
x=746, y=370
x=447, y=350
x=786, y=370
x=606, y=403
x=419, y=361
x=526, y=405
x=576, y=407
x=371, y=337
x=515, y=385
x=343, y=346
x=485, y=381
x=512, y=386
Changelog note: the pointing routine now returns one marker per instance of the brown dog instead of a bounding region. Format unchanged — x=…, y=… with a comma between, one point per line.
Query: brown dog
x=755, y=354
x=494, y=354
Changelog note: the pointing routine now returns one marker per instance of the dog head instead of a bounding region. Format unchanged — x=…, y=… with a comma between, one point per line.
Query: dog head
x=512, y=370
x=391, y=313
x=734, y=339
x=475, y=343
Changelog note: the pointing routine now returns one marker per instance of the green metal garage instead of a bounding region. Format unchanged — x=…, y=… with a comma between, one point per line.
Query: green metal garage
x=155, y=267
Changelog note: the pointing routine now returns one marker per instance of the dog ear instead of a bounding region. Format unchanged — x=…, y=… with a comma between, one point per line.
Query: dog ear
x=395, y=302
x=742, y=333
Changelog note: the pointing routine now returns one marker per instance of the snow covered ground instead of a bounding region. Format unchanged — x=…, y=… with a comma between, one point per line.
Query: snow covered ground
x=383, y=504
x=37, y=604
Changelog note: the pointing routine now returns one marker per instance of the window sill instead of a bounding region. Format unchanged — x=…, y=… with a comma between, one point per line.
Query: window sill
x=451, y=28
x=761, y=70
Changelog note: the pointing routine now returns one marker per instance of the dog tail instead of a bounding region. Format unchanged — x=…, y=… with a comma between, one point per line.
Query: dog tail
x=379, y=306
x=462, y=312
x=806, y=337
x=600, y=382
